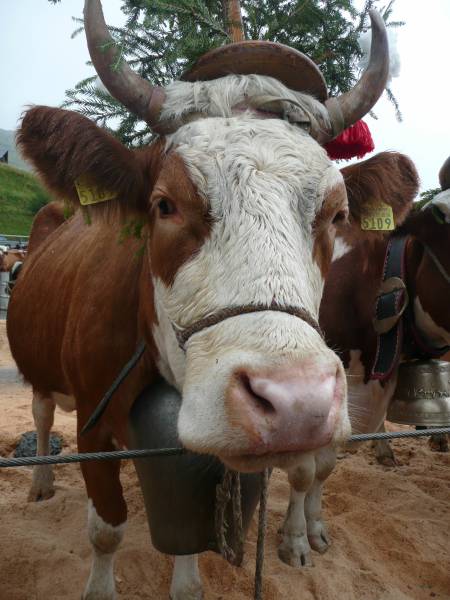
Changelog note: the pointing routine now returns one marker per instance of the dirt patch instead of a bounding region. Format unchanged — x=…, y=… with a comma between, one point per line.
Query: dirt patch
x=389, y=527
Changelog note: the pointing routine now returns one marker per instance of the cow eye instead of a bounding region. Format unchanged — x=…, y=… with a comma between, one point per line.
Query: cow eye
x=340, y=216
x=166, y=207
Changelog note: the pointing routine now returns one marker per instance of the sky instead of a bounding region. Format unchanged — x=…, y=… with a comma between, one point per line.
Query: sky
x=39, y=61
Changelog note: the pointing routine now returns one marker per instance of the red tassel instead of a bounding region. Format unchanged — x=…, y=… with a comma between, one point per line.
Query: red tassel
x=354, y=141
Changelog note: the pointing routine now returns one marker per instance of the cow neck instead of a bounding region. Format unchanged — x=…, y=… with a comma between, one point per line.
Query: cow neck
x=416, y=344
x=394, y=322
x=183, y=335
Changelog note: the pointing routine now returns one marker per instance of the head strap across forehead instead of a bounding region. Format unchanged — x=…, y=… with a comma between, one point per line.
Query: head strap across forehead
x=184, y=334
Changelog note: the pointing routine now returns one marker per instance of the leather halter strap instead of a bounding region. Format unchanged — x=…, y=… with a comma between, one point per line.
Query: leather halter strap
x=394, y=315
x=183, y=335
x=439, y=266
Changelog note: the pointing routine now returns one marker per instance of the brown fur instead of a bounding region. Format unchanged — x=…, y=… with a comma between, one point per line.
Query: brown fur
x=174, y=241
x=388, y=177
x=47, y=220
x=9, y=259
x=353, y=281
x=324, y=230
x=63, y=145
x=84, y=299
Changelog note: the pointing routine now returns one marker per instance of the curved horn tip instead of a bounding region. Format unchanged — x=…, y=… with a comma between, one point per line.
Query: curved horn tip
x=347, y=109
x=134, y=92
x=444, y=175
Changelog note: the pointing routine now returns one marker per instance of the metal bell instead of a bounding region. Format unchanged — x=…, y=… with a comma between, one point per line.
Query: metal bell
x=422, y=395
x=180, y=490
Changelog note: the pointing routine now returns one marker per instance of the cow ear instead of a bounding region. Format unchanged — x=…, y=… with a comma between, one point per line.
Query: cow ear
x=389, y=178
x=69, y=150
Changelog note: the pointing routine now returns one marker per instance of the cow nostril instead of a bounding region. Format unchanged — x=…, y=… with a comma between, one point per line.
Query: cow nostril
x=261, y=403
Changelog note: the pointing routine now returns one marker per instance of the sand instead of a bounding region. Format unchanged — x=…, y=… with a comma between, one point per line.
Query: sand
x=389, y=527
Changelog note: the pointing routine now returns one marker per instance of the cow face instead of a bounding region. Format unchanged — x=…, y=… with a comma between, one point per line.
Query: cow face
x=244, y=213
x=240, y=211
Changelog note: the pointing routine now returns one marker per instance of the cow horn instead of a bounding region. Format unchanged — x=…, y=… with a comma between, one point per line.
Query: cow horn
x=348, y=108
x=134, y=92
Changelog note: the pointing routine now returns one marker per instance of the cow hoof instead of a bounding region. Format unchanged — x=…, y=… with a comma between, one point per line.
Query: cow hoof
x=295, y=550
x=438, y=443
x=318, y=537
x=42, y=486
x=387, y=461
x=193, y=592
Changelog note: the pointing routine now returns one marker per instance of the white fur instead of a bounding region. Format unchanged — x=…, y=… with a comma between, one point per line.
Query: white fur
x=43, y=412
x=105, y=539
x=186, y=583
x=367, y=402
x=64, y=401
x=442, y=201
x=304, y=527
x=220, y=97
x=264, y=182
x=437, y=335
x=341, y=248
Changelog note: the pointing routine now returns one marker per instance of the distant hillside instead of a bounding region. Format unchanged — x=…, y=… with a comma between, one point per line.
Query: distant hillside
x=21, y=196
x=7, y=140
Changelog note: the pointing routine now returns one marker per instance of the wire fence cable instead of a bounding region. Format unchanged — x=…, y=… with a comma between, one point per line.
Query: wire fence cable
x=62, y=459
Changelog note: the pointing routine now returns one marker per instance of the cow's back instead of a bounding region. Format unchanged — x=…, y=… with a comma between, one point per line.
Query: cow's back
x=46, y=221
x=73, y=312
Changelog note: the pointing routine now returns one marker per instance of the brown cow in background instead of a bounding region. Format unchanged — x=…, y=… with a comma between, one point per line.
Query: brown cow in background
x=352, y=286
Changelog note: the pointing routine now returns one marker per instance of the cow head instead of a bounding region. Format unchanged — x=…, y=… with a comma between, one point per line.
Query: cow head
x=241, y=213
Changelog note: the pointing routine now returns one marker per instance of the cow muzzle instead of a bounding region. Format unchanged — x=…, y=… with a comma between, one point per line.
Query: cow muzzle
x=286, y=410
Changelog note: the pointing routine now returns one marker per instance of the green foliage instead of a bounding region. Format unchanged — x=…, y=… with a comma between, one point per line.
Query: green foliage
x=21, y=196
x=162, y=38
x=426, y=197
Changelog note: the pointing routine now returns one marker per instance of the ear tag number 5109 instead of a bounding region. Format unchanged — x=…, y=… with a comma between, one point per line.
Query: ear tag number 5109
x=378, y=218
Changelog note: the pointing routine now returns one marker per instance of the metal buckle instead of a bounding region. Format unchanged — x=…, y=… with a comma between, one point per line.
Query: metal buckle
x=390, y=286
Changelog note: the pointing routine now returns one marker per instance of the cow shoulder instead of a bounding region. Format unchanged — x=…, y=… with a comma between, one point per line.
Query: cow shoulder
x=47, y=220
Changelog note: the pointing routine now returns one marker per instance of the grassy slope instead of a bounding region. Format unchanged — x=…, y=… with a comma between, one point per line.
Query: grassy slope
x=7, y=140
x=21, y=196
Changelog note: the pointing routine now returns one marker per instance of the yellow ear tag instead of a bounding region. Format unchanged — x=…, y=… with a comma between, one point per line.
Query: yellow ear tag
x=378, y=217
x=89, y=193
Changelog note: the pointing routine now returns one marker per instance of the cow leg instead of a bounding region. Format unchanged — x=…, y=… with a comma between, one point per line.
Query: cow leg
x=294, y=548
x=186, y=583
x=43, y=414
x=438, y=442
x=317, y=532
x=107, y=514
x=383, y=451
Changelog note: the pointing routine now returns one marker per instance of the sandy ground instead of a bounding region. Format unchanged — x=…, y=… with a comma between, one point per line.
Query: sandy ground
x=390, y=528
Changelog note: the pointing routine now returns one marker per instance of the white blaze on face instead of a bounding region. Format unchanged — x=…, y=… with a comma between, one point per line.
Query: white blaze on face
x=341, y=248
x=264, y=182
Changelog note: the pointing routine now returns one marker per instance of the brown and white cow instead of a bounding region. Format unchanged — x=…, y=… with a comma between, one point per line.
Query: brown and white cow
x=390, y=178
x=237, y=211
x=9, y=258
x=352, y=286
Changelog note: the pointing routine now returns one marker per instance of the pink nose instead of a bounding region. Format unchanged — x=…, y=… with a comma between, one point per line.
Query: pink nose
x=287, y=409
